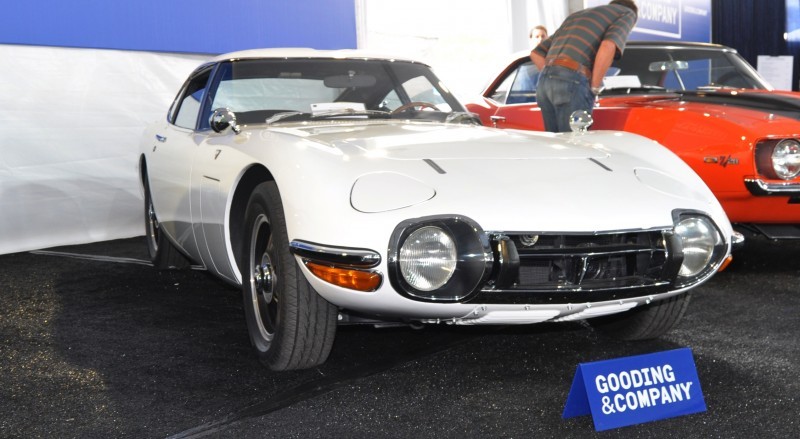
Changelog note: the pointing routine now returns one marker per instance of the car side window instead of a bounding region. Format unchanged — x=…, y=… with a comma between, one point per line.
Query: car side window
x=501, y=92
x=187, y=105
x=523, y=90
x=519, y=87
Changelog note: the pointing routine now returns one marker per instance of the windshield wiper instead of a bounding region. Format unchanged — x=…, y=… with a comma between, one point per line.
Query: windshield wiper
x=284, y=115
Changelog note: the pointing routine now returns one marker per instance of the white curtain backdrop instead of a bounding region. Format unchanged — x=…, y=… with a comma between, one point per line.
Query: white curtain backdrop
x=465, y=41
x=71, y=119
x=70, y=125
x=550, y=14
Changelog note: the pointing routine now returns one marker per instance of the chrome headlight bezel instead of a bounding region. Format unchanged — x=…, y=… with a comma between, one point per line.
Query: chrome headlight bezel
x=701, y=246
x=466, y=273
x=779, y=159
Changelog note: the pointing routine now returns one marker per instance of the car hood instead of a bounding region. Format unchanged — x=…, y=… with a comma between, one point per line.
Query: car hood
x=745, y=107
x=773, y=102
x=509, y=180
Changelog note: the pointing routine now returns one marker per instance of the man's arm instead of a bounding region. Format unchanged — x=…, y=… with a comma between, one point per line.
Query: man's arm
x=602, y=61
x=538, y=60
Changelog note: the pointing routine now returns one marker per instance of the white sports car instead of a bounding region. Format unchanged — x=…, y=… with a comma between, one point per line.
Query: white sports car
x=339, y=187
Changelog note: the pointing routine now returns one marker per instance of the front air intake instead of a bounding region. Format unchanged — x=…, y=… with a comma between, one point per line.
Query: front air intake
x=572, y=268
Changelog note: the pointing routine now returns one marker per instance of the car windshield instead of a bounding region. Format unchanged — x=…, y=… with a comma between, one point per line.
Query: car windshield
x=682, y=69
x=291, y=90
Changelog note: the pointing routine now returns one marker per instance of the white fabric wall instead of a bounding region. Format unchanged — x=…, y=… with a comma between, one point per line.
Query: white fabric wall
x=71, y=119
x=465, y=42
x=70, y=125
x=548, y=13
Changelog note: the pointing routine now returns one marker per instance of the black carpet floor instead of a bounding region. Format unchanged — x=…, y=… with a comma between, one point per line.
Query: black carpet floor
x=96, y=343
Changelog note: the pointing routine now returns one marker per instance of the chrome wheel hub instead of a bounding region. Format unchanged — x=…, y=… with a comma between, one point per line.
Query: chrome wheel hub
x=263, y=279
x=263, y=275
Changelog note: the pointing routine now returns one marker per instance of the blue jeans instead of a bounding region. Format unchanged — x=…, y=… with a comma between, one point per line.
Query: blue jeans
x=560, y=92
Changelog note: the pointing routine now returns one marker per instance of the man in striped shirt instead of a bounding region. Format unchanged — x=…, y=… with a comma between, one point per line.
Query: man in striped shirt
x=574, y=60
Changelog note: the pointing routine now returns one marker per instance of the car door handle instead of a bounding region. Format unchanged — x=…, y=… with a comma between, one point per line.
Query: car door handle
x=496, y=119
x=160, y=138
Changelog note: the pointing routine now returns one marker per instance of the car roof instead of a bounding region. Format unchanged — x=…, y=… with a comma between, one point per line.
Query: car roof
x=657, y=44
x=677, y=44
x=304, y=52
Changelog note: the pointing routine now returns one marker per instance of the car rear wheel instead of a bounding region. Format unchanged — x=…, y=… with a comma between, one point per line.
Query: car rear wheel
x=290, y=325
x=644, y=322
x=163, y=254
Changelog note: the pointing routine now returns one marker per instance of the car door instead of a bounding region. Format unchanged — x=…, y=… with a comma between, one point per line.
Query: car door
x=216, y=166
x=514, y=98
x=171, y=160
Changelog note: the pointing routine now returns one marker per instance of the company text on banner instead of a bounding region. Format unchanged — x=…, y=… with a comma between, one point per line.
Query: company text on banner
x=633, y=390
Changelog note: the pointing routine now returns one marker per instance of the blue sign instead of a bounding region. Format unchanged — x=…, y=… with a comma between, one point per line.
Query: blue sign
x=670, y=20
x=634, y=390
x=194, y=26
x=793, y=20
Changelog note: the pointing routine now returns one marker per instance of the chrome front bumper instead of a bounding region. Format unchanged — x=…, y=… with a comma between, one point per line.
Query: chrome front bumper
x=759, y=187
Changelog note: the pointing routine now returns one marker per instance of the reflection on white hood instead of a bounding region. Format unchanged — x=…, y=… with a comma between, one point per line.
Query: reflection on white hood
x=434, y=141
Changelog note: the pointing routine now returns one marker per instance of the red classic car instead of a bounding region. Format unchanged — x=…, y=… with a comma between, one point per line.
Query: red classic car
x=702, y=101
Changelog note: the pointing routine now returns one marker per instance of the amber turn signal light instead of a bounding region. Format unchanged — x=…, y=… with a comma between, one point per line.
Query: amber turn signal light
x=358, y=280
x=725, y=263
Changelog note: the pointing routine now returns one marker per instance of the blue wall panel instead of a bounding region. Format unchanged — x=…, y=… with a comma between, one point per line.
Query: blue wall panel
x=670, y=20
x=195, y=26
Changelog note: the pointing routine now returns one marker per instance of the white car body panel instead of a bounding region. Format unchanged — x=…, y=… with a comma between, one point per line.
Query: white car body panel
x=348, y=183
x=504, y=180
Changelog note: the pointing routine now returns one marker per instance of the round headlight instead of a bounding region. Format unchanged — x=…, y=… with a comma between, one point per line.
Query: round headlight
x=699, y=238
x=786, y=159
x=428, y=258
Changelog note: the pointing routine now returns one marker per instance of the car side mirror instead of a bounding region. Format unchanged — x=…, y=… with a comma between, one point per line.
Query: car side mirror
x=580, y=121
x=222, y=119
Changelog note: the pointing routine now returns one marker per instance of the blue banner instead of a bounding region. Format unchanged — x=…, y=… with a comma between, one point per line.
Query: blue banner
x=634, y=390
x=193, y=26
x=670, y=20
x=793, y=20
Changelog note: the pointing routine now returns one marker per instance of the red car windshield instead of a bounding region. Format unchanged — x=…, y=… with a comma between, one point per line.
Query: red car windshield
x=684, y=69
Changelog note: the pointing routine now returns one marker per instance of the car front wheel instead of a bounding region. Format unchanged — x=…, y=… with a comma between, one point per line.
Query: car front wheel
x=290, y=325
x=644, y=322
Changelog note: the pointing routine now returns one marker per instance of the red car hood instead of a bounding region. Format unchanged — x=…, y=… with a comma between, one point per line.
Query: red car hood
x=742, y=106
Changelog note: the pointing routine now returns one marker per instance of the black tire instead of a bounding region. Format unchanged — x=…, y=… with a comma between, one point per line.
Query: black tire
x=290, y=325
x=163, y=254
x=644, y=322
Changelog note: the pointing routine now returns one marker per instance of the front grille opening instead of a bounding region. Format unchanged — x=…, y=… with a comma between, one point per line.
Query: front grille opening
x=596, y=262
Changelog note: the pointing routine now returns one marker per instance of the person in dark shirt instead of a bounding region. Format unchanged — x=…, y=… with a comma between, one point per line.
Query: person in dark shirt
x=575, y=58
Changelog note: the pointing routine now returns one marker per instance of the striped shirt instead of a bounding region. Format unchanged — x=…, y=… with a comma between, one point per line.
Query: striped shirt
x=579, y=37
